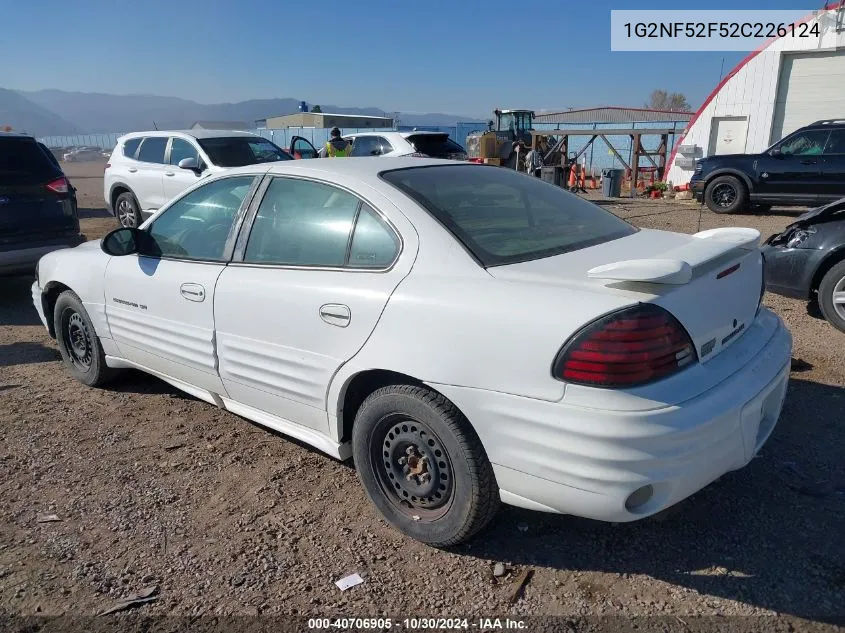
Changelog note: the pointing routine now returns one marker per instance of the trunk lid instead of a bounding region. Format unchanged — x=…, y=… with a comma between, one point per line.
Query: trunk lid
x=711, y=282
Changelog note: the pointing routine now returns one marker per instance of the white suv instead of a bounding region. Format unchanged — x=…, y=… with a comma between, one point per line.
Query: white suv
x=415, y=143
x=148, y=169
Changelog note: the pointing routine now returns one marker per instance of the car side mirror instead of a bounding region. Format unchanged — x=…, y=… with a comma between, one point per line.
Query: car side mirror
x=189, y=163
x=776, y=152
x=122, y=241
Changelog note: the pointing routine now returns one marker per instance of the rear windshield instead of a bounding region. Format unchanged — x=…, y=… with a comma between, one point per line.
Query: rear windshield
x=237, y=151
x=435, y=145
x=504, y=217
x=22, y=161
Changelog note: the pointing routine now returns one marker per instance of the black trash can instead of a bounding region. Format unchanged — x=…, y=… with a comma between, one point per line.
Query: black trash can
x=550, y=174
x=611, y=182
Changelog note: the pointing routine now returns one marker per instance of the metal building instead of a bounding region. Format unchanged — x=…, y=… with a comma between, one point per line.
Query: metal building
x=786, y=84
x=327, y=120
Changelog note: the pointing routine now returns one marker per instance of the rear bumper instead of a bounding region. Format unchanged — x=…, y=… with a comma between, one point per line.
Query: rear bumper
x=37, y=301
x=588, y=461
x=23, y=259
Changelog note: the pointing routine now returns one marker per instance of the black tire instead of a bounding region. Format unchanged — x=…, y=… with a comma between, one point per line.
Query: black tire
x=725, y=194
x=126, y=210
x=456, y=492
x=78, y=342
x=831, y=288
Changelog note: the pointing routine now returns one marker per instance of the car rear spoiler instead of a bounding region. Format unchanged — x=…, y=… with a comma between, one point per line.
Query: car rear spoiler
x=675, y=266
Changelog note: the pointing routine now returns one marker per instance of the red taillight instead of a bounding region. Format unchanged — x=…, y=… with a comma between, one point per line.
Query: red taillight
x=108, y=165
x=480, y=161
x=59, y=185
x=628, y=348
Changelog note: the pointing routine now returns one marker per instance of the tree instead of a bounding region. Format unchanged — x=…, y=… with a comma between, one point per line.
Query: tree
x=316, y=108
x=663, y=100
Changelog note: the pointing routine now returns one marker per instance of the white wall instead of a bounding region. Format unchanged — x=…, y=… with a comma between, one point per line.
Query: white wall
x=752, y=92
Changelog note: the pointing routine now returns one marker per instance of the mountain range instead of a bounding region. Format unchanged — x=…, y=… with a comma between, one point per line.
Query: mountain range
x=56, y=112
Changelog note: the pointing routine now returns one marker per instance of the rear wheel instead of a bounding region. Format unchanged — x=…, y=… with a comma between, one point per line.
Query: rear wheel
x=725, y=194
x=79, y=345
x=832, y=296
x=423, y=466
x=126, y=210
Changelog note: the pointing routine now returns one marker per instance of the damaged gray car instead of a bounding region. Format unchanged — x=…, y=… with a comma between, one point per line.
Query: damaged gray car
x=807, y=261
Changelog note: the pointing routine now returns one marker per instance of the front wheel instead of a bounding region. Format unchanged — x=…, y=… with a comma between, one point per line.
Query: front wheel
x=725, y=194
x=79, y=345
x=832, y=296
x=423, y=466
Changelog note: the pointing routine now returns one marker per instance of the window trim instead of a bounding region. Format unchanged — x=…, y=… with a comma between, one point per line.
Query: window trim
x=252, y=213
x=234, y=230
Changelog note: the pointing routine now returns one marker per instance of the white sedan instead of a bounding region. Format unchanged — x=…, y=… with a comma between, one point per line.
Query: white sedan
x=469, y=334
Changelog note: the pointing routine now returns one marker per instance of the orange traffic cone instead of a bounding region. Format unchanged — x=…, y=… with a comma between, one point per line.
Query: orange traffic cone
x=572, y=177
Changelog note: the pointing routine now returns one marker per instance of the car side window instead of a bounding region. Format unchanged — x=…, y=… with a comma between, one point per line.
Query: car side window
x=152, y=149
x=374, y=244
x=304, y=148
x=197, y=226
x=302, y=223
x=366, y=146
x=384, y=145
x=836, y=142
x=809, y=143
x=131, y=146
x=180, y=148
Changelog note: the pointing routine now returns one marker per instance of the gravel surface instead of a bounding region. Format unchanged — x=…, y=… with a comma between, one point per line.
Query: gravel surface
x=153, y=488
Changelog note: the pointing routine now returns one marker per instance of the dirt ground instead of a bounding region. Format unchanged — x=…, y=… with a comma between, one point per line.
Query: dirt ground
x=155, y=488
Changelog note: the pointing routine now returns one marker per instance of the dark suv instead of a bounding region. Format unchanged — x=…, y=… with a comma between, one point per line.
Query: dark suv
x=38, y=211
x=806, y=168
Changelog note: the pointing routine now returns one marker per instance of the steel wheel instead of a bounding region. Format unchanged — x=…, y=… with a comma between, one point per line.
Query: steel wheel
x=125, y=213
x=724, y=195
x=838, y=298
x=412, y=467
x=78, y=339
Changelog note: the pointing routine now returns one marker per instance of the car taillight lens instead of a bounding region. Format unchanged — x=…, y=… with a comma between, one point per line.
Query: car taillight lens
x=629, y=348
x=477, y=160
x=59, y=185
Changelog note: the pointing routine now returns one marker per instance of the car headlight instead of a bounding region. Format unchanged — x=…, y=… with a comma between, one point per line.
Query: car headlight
x=799, y=236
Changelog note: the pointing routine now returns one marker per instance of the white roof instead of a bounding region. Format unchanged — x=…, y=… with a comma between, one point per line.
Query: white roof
x=364, y=167
x=198, y=134
x=391, y=133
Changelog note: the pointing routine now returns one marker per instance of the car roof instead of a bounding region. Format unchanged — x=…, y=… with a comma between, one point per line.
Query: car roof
x=15, y=135
x=363, y=167
x=197, y=134
x=393, y=132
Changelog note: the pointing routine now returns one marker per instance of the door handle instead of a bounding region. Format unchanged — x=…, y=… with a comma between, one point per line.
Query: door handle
x=169, y=173
x=809, y=162
x=192, y=292
x=132, y=170
x=336, y=314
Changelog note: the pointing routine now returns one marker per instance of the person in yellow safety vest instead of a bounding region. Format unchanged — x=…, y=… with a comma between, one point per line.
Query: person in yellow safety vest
x=336, y=147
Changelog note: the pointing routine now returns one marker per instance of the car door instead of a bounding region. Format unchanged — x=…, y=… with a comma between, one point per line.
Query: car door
x=792, y=170
x=302, y=148
x=306, y=287
x=833, y=169
x=160, y=303
x=176, y=179
x=146, y=175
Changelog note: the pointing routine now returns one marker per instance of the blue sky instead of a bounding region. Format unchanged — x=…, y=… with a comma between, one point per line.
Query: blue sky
x=461, y=57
